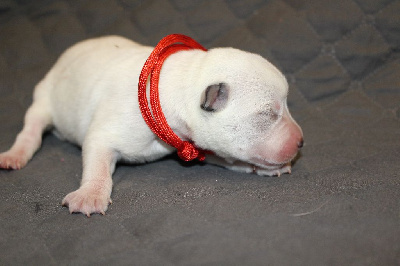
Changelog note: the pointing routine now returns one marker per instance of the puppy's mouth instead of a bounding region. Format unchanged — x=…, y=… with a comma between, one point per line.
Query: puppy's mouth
x=264, y=164
x=274, y=170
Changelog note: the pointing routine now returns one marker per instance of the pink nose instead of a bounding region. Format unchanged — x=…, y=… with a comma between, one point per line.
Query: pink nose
x=293, y=143
x=283, y=142
x=300, y=143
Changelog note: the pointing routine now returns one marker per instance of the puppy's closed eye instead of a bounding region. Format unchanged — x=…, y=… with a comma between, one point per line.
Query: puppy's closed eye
x=272, y=114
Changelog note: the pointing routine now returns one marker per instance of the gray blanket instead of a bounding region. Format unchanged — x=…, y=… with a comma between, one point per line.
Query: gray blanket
x=341, y=204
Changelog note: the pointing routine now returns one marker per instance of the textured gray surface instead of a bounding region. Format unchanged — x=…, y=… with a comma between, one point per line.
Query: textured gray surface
x=341, y=204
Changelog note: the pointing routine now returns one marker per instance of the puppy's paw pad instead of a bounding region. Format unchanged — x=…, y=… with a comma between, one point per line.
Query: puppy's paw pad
x=12, y=160
x=87, y=202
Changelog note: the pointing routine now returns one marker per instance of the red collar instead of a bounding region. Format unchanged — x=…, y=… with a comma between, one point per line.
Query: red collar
x=153, y=114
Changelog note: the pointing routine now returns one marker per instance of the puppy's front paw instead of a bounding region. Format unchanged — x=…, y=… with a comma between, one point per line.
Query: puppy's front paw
x=87, y=200
x=286, y=169
x=12, y=160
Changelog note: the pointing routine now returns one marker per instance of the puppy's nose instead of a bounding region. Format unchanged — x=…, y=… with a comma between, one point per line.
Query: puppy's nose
x=300, y=143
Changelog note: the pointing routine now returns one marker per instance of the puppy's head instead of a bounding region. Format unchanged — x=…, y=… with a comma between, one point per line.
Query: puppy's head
x=242, y=113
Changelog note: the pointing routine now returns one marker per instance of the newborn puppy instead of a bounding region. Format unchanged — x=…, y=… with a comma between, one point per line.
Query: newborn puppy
x=227, y=101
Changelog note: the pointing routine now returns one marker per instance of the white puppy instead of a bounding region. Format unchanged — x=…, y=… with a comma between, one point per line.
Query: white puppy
x=227, y=101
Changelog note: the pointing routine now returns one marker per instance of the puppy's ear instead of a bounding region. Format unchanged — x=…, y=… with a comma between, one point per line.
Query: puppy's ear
x=215, y=97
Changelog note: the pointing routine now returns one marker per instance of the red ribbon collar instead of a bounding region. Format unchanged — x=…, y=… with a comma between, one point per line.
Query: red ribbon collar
x=153, y=114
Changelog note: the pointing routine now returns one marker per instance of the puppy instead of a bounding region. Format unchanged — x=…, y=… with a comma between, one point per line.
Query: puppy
x=227, y=101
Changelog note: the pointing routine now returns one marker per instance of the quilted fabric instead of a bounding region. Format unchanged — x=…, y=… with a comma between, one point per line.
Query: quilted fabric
x=341, y=204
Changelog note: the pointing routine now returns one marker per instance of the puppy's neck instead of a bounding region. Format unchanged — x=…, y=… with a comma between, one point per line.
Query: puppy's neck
x=179, y=90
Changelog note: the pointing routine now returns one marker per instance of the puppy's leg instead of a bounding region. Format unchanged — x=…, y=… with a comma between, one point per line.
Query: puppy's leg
x=37, y=119
x=93, y=196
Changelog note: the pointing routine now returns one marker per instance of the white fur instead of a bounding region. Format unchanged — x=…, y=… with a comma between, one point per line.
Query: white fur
x=90, y=98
